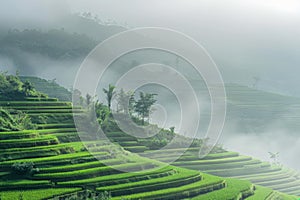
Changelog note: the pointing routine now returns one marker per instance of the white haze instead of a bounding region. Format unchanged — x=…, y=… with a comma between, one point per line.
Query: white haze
x=245, y=38
x=259, y=144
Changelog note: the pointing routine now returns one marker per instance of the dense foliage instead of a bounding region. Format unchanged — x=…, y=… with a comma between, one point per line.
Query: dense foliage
x=24, y=168
x=49, y=87
x=15, y=122
x=57, y=44
x=12, y=88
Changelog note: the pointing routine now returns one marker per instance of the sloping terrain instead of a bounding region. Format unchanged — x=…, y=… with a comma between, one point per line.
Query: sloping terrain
x=223, y=163
x=49, y=87
x=59, y=165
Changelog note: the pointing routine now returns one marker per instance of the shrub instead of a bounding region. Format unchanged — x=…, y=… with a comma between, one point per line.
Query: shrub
x=14, y=122
x=24, y=168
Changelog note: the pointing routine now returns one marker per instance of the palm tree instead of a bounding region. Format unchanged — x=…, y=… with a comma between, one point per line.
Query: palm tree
x=109, y=94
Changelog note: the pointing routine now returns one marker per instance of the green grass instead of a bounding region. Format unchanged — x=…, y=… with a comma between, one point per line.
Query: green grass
x=16, y=184
x=216, y=161
x=208, y=184
x=261, y=193
x=65, y=158
x=181, y=177
x=34, y=103
x=81, y=166
x=252, y=169
x=97, y=171
x=235, y=189
x=19, y=135
x=79, y=169
x=115, y=179
x=222, y=166
x=28, y=142
x=56, y=111
x=43, y=131
x=75, y=145
x=36, y=194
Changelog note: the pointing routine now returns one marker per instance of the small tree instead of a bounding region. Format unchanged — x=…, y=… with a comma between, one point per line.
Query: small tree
x=144, y=104
x=24, y=168
x=109, y=94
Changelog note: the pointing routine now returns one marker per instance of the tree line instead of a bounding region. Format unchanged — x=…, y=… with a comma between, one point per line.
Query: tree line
x=140, y=108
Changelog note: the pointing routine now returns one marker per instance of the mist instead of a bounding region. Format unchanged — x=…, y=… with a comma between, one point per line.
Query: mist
x=43, y=67
x=245, y=39
x=252, y=38
x=259, y=144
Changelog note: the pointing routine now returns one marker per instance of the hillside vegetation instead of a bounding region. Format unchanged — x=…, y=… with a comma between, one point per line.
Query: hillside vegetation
x=49, y=87
x=51, y=161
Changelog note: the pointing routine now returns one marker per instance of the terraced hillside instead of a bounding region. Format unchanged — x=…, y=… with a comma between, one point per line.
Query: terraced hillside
x=50, y=162
x=256, y=110
x=49, y=87
x=251, y=109
x=224, y=164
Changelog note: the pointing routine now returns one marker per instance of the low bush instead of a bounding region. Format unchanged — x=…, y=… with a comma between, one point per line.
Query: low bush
x=24, y=168
x=14, y=121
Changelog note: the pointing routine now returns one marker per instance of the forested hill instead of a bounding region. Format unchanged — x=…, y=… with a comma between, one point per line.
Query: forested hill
x=49, y=87
x=56, y=44
x=69, y=41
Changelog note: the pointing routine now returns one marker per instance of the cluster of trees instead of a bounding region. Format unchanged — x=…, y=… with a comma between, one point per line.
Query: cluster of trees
x=49, y=87
x=12, y=88
x=55, y=43
x=139, y=109
x=126, y=103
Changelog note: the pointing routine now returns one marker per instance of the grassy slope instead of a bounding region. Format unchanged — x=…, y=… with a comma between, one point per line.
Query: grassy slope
x=72, y=168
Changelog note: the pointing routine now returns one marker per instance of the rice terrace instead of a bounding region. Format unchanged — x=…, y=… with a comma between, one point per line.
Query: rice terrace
x=149, y=100
x=43, y=158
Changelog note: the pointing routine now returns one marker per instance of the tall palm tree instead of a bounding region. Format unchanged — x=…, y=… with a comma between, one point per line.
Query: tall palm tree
x=109, y=94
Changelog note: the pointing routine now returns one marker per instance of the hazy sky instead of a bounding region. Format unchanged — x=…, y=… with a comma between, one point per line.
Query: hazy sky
x=250, y=37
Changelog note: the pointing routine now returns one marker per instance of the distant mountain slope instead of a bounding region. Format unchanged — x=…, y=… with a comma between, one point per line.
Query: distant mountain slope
x=251, y=109
x=55, y=44
x=51, y=88
x=62, y=45
x=91, y=26
x=254, y=110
